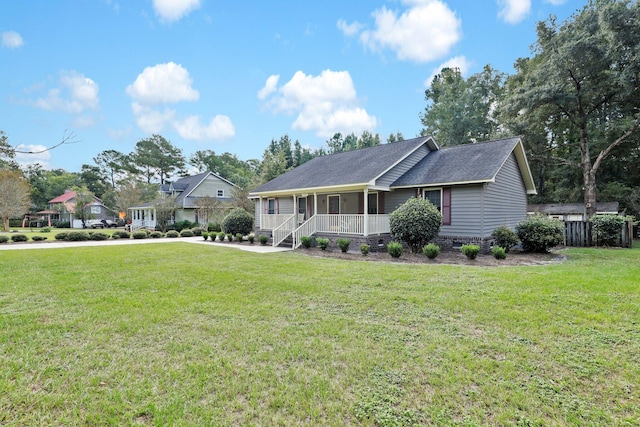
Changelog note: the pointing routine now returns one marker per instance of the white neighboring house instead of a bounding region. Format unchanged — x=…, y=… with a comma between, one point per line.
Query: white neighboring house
x=187, y=191
x=571, y=211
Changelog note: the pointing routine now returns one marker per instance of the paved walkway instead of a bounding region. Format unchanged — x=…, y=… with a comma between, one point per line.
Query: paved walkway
x=256, y=248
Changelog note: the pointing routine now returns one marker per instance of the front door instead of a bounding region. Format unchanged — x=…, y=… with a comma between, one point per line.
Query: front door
x=334, y=205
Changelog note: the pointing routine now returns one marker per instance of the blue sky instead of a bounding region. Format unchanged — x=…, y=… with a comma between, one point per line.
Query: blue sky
x=230, y=76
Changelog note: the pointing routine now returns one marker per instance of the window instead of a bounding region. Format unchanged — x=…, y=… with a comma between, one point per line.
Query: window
x=220, y=193
x=95, y=210
x=271, y=206
x=434, y=196
x=441, y=199
x=372, y=203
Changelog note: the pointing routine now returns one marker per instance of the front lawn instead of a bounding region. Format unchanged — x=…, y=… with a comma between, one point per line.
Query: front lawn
x=183, y=334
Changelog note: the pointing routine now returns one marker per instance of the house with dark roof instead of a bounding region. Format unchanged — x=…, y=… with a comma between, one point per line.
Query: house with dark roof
x=63, y=209
x=189, y=192
x=477, y=188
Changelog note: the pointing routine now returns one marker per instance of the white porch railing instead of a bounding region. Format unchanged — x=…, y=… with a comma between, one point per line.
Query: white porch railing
x=272, y=221
x=379, y=224
x=308, y=228
x=284, y=230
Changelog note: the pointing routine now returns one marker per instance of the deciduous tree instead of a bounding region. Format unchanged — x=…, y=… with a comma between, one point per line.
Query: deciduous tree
x=14, y=196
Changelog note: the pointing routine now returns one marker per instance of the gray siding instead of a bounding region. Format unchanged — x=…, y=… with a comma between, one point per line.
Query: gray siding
x=395, y=198
x=466, y=211
x=403, y=167
x=505, y=199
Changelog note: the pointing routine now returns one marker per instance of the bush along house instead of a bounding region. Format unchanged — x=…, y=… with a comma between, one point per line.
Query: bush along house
x=477, y=188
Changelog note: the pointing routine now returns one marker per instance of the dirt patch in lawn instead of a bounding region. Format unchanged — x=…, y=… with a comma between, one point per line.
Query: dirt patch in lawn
x=514, y=258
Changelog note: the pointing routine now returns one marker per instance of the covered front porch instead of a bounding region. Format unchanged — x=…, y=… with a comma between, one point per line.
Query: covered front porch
x=355, y=213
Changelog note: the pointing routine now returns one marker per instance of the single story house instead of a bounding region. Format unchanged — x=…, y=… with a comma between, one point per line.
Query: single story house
x=477, y=187
x=189, y=192
x=63, y=209
x=571, y=211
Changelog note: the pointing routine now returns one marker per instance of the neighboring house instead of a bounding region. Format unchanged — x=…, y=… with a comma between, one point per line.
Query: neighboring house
x=477, y=188
x=188, y=192
x=571, y=211
x=63, y=209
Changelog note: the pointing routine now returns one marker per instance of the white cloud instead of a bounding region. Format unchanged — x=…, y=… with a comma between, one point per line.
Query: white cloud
x=174, y=10
x=219, y=128
x=325, y=104
x=170, y=83
x=556, y=2
x=349, y=29
x=151, y=120
x=269, y=87
x=425, y=32
x=11, y=40
x=32, y=154
x=76, y=95
x=456, y=62
x=514, y=11
x=163, y=83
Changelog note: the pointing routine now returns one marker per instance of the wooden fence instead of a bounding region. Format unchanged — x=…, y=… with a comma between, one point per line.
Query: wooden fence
x=580, y=234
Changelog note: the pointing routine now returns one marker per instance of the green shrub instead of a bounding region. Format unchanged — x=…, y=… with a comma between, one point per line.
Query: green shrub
x=115, y=236
x=183, y=225
x=221, y=236
x=186, y=233
x=3, y=238
x=140, y=234
x=99, y=236
x=364, y=249
x=415, y=222
x=539, y=233
x=77, y=236
x=607, y=229
x=251, y=238
x=122, y=234
x=431, y=250
x=471, y=251
x=213, y=227
x=172, y=234
x=306, y=241
x=37, y=238
x=19, y=238
x=230, y=237
x=343, y=244
x=238, y=221
x=395, y=249
x=205, y=235
x=239, y=237
x=499, y=252
x=505, y=237
x=322, y=243
x=61, y=236
x=197, y=231
x=263, y=239
x=45, y=230
x=156, y=234
x=62, y=224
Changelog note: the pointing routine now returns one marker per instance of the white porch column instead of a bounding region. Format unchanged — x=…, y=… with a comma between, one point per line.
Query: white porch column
x=260, y=210
x=315, y=203
x=366, y=212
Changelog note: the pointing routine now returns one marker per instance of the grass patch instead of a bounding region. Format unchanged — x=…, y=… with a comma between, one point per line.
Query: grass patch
x=107, y=336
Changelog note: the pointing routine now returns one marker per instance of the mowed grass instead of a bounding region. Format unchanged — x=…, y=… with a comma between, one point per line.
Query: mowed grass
x=183, y=334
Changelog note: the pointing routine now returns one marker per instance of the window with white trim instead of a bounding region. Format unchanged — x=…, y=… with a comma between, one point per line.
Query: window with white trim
x=271, y=206
x=95, y=210
x=434, y=196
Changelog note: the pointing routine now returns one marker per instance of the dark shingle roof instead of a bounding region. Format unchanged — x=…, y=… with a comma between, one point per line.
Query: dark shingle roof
x=351, y=167
x=461, y=163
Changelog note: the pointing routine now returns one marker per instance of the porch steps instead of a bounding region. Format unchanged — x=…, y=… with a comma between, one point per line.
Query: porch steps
x=287, y=243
